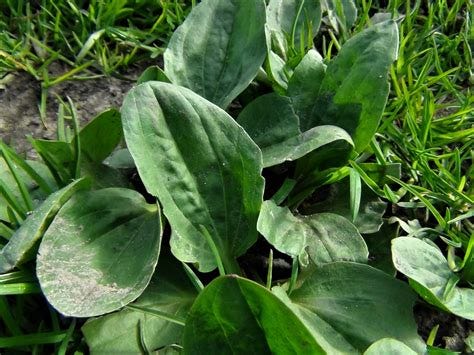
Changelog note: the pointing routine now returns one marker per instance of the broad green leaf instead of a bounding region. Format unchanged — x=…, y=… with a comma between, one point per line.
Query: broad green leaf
x=272, y=123
x=325, y=237
x=306, y=80
x=99, y=253
x=169, y=291
x=352, y=299
x=287, y=18
x=103, y=176
x=354, y=90
x=218, y=49
x=269, y=120
x=101, y=135
x=330, y=340
x=430, y=276
x=23, y=242
x=371, y=210
x=202, y=166
x=299, y=146
x=389, y=346
x=237, y=316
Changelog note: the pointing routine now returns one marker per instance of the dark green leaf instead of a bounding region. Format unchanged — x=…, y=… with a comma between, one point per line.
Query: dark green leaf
x=99, y=253
x=233, y=315
x=306, y=80
x=352, y=299
x=169, y=291
x=23, y=242
x=101, y=135
x=379, y=245
x=354, y=90
x=201, y=165
x=324, y=237
x=270, y=120
x=218, y=49
x=431, y=276
x=330, y=340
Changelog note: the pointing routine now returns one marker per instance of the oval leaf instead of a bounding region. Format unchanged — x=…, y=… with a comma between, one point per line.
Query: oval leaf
x=202, y=166
x=355, y=88
x=431, y=276
x=21, y=245
x=218, y=49
x=271, y=121
x=326, y=237
x=101, y=136
x=100, y=252
x=237, y=316
x=299, y=146
x=169, y=292
x=352, y=298
x=306, y=80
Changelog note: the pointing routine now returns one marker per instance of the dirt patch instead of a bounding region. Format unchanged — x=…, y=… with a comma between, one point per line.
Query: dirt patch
x=19, y=113
x=452, y=331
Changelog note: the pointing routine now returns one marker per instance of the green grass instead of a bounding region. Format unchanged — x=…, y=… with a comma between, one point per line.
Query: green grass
x=90, y=38
x=428, y=123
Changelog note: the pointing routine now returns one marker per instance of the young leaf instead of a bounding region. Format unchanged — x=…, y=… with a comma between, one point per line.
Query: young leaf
x=272, y=123
x=218, y=49
x=326, y=237
x=153, y=73
x=235, y=315
x=101, y=135
x=291, y=18
x=354, y=90
x=431, y=276
x=346, y=295
x=306, y=80
x=201, y=165
x=169, y=291
x=21, y=245
x=99, y=253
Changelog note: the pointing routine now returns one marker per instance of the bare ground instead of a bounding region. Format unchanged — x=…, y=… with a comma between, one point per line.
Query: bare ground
x=19, y=113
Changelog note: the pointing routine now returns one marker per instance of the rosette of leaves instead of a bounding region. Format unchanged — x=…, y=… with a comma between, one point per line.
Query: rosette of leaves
x=203, y=170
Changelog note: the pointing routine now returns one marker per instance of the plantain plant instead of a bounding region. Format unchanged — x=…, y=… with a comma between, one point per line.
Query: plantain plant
x=249, y=146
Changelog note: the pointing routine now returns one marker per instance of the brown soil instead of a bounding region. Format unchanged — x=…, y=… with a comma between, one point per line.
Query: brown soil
x=19, y=113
